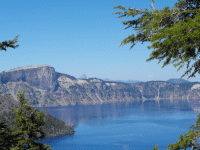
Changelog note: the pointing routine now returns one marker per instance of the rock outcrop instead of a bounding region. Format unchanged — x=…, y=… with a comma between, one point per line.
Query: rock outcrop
x=42, y=77
x=44, y=86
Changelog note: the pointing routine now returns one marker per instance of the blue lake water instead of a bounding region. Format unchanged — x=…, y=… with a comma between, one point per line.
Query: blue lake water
x=123, y=125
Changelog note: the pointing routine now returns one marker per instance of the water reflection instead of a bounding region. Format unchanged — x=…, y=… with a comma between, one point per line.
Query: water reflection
x=74, y=115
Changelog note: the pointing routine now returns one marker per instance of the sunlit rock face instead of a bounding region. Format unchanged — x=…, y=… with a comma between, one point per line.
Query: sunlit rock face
x=44, y=86
x=42, y=77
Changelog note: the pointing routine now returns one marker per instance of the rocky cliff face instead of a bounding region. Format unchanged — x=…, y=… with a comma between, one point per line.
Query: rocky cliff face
x=42, y=77
x=45, y=87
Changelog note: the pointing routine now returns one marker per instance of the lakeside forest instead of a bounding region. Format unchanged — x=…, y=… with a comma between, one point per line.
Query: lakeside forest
x=174, y=34
x=52, y=127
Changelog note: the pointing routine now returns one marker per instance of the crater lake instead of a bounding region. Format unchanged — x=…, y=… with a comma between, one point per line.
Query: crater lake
x=124, y=125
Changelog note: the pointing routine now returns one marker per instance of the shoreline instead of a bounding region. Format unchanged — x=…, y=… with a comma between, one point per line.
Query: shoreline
x=59, y=134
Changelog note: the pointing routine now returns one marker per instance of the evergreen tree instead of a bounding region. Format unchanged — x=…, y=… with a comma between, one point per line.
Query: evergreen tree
x=175, y=37
x=5, y=137
x=29, y=126
x=174, y=33
x=10, y=43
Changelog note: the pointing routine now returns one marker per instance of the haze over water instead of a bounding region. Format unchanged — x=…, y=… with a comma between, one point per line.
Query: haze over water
x=123, y=125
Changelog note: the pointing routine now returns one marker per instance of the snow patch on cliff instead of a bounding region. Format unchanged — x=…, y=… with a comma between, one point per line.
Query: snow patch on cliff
x=196, y=86
x=79, y=81
x=111, y=84
x=95, y=80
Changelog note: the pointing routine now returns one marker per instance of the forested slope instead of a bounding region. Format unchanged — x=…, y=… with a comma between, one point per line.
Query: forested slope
x=53, y=126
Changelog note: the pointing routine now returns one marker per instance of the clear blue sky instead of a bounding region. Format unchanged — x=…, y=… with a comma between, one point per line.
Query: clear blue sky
x=79, y=36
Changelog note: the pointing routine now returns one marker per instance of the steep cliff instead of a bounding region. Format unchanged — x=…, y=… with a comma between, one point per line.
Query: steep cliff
x=45, y=87
x=42, y=77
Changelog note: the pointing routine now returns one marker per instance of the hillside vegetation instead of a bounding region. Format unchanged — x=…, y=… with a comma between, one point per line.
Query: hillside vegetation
x=52, y=127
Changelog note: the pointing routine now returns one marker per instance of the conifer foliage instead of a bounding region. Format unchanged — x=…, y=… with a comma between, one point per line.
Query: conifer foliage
x=188, y=140
x=175, y=37
x=27, y=131
x=29, y=125
x=6, y=139
x=11, y=43
x=173, y=32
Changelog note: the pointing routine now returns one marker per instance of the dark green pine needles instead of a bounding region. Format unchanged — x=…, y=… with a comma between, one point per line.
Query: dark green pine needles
x=173, y=32
x=27, y=131
x=11, y=43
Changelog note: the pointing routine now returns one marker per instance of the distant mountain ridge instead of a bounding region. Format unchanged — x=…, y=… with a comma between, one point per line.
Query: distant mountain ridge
x=173, y=80
x=45, y=87
x=124, y=81
x=83, y=77
x=178, y=80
